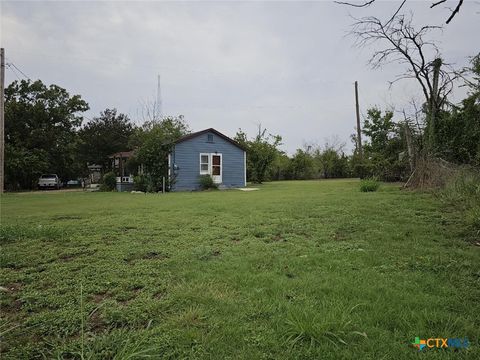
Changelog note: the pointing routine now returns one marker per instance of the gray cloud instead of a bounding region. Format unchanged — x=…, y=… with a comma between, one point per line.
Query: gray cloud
x=287, y=65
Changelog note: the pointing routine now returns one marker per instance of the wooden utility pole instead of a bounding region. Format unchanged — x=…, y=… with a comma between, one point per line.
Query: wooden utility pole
x=2, y=119
x=434, y=104
x=359, y=130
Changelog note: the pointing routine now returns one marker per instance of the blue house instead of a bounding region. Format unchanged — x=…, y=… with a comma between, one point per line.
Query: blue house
x=207, y=152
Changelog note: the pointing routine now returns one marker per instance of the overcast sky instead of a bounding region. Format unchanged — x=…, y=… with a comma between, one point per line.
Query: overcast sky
x=227, y=65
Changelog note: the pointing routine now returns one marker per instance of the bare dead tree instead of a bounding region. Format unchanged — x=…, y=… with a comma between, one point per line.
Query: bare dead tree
x=454, y=12
x=333, y=142
x=413, y=128
x=368, y=3
x=398, y=41
x=149, y=111
x=418, y=116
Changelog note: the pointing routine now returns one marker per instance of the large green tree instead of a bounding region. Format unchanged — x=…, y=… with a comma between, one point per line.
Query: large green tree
x=262, y=151
x=104, y=135
x=332, y=163
x=302, y=165
x=384, y=150
x=458, y=130
x=40, y=132
x=154, y=141
x=281, y=167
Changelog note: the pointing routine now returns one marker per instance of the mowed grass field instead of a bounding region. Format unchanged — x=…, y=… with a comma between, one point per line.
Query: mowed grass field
x=296, y=270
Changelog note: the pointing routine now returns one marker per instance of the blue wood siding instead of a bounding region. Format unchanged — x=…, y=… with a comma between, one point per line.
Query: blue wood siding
x=186, y=157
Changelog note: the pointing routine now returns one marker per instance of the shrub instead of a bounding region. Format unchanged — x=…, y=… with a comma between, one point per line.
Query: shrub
x=369, y=185
x=109, y=181
x=360, y=169
x=140, y=183
x=206, y=182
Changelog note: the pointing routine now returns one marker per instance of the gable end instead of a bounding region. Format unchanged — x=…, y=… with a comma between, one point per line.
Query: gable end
x=208, y=138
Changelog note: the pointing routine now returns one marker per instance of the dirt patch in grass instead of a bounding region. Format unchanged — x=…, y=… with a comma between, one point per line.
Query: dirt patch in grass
x=339, y=235
x=71, y=256
x=96, y=322
x=100, y=297
x=13, y=303
x=235, y=238
x=13, y=288
x=154, y=255
x=66, y=217
x=127, y=228
x=277, y=237
x=67, y=257
x=149, y=255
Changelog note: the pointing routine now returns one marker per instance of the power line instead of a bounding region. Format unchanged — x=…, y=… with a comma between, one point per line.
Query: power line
x=10, y=64
x=21, y=72
x=13, y=71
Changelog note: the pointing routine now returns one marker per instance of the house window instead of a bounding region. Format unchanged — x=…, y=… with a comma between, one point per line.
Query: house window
x=210, y=138
x=204, y=164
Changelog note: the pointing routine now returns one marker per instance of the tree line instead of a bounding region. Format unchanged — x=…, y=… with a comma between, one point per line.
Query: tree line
x=393, y=142
x=45, y=133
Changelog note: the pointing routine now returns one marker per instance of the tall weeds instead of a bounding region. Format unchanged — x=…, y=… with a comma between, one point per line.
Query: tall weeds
x=463, y=192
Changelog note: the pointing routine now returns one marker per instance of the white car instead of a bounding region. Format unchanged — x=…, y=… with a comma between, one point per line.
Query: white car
x=49, y=181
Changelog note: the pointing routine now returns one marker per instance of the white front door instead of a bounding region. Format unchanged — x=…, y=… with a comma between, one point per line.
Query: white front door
x=216, y=168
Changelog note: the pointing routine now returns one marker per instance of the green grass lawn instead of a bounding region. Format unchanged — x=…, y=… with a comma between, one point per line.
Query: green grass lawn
x=296, y=270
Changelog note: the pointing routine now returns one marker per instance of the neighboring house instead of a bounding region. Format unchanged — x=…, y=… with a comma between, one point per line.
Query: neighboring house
x=207, y=152
x=124, y=177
